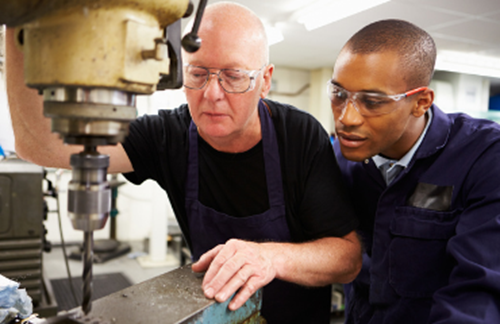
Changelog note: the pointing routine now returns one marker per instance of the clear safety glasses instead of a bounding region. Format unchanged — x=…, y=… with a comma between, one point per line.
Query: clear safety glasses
x=366, y=103
x=231, y=80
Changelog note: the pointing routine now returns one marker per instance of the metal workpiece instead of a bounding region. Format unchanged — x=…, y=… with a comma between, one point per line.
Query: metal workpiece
x=175, y=297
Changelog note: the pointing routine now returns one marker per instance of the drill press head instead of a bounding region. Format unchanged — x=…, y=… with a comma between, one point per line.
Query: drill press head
x=89, y=59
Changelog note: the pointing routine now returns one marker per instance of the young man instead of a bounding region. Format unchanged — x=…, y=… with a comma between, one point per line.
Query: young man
x=425, y=185
x=238, y=170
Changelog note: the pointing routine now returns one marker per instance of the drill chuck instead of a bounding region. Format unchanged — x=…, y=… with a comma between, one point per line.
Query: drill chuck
x=89, y=193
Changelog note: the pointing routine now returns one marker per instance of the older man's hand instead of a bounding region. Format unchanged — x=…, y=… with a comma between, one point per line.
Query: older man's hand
x=233, y=265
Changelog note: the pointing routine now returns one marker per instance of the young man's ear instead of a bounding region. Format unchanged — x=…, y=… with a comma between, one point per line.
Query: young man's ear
x=424, y=102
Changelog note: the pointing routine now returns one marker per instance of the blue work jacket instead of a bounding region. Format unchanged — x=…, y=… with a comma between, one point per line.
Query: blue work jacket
x=432, y=236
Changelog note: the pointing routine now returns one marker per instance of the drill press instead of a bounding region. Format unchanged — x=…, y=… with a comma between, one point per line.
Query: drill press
x=89, y=59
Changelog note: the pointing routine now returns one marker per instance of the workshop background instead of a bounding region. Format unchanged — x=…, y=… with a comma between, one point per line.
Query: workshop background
x=467, y=79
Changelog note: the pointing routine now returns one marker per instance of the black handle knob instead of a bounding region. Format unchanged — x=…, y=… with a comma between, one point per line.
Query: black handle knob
x=191, y=42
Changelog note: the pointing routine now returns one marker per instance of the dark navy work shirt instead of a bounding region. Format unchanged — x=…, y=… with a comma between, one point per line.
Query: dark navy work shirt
x=432, y=236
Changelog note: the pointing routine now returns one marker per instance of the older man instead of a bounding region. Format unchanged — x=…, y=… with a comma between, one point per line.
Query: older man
x=254, y=184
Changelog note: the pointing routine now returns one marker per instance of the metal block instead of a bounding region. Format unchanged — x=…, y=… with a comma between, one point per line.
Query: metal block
x=175, y=297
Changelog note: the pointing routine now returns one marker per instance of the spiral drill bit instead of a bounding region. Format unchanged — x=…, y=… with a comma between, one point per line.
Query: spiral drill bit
x=88, y=255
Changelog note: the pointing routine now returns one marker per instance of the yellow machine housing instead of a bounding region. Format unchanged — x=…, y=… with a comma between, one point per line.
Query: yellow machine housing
x=93, y=43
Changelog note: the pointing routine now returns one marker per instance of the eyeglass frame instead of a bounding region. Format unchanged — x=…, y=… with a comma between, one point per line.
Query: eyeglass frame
x=251, y=73
x=352, y=96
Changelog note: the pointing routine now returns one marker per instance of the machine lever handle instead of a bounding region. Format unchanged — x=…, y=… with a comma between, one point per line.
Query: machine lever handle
x=191, y=42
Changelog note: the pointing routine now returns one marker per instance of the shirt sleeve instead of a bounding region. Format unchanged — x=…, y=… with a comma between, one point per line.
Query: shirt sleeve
x=142, y=146
x=157, y=146
x=473, y=290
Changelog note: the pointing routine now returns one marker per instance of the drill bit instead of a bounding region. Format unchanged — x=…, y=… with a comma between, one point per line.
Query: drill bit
x=89, y=204
x=88, y=255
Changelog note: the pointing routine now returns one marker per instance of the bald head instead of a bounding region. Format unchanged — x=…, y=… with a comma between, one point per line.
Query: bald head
x=230, y=22
x=414, y=46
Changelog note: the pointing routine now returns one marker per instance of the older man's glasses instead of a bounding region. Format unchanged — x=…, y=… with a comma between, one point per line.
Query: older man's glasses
x=231, y=80
x=366, y=103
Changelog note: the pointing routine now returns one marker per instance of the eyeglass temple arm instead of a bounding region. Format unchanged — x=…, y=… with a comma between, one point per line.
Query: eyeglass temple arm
x=414, y=91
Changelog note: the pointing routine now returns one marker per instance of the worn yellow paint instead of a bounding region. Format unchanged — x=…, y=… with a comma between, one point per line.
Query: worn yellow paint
x=92, y=43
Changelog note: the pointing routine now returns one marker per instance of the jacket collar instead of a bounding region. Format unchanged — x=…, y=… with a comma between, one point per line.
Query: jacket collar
x=437, y=135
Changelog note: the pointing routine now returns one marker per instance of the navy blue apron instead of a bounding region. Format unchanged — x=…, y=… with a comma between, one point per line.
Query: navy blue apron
x=283, y=302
